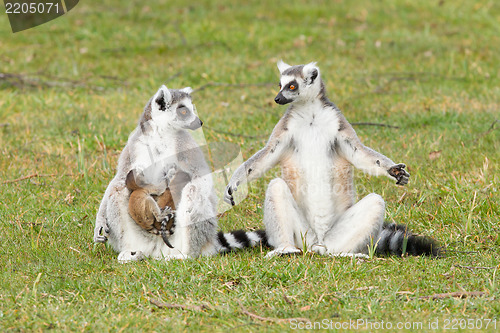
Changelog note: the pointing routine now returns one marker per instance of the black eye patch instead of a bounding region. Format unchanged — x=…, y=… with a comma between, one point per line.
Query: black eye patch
x=183, y=112
x=292, y=86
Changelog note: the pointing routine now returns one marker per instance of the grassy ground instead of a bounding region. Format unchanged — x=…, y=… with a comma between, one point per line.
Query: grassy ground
x=428, y=67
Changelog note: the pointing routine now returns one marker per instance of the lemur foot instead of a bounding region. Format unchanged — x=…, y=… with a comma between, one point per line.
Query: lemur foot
x=128, y=256
x=176, y=257
x=284, y=250
x=101, y=235
x=319, y=249
x=398, y=171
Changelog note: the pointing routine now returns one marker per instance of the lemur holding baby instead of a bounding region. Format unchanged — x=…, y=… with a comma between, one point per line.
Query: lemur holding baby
x=162, y=169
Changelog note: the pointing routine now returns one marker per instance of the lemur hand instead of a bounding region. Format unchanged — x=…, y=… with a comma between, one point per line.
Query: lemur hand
x=398, y=171
x=228, y=195
x=170, y=174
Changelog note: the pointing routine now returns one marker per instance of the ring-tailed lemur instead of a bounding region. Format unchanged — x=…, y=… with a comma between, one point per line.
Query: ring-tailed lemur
x=161, y=143
x=313, y=203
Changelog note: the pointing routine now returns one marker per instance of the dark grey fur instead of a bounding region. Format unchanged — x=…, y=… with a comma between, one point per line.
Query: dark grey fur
x=406, y=242
x=294, y=71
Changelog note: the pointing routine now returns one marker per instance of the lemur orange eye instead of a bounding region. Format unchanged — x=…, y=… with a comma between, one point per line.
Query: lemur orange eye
x=184, y=112
x=292, y=87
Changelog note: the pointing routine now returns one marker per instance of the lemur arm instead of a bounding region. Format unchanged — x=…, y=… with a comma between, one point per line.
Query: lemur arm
x=260, y=162
x=367, y=159
x=139, y=156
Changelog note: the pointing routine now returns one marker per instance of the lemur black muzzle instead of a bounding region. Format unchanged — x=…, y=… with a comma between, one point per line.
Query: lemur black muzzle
x=195, y=124
x=282, y=100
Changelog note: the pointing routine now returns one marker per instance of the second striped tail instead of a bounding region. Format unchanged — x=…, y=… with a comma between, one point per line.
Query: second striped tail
x=240, y=239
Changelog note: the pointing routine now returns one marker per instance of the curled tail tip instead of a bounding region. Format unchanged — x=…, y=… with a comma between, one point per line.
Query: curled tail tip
x=398, y=240
x=423, y=245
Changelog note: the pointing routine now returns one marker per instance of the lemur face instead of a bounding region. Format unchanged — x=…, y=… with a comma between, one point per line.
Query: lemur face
x=175, y=109
x=297, y=82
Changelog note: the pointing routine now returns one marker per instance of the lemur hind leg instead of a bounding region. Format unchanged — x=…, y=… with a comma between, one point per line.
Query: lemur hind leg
x=195, y=221
x=352, y=232
x=126, y=236
x=286, y=227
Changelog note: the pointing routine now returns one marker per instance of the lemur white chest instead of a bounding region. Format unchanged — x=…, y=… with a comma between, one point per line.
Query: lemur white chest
x=312, y=133
x=152, y=148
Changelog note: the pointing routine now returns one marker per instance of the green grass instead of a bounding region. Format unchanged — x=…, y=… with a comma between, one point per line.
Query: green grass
x=429, y=67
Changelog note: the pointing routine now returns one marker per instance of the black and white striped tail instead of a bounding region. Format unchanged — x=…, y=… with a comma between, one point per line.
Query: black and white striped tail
x=397, y=239
x=240, y=239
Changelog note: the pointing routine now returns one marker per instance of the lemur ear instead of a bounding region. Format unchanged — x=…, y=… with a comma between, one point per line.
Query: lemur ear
x=187, y=90
x=162, y=98
x=282, y=66
x=311, y=72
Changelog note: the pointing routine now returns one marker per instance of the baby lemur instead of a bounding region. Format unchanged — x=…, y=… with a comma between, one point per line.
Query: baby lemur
x=313, y=203
x=151, y=205
x=161, y=156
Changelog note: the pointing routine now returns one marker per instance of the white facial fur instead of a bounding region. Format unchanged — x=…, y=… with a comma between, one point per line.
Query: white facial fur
x=285, y=82
x=182, y=120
